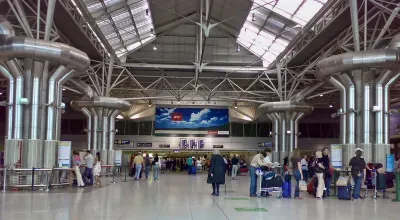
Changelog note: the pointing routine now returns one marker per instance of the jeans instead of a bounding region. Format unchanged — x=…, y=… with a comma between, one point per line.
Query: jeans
x=147, y=170
x=215, y=187
x=234, y=171
x=305, y=175
x=253, y=181
x=357, y=186
x=88, y=174
x=138, y=170
x=297, y=176
x=328, y=185
x=189, y=169
x=155, y=172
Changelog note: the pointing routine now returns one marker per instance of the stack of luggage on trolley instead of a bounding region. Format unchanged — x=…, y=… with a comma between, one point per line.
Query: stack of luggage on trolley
x=271, y=181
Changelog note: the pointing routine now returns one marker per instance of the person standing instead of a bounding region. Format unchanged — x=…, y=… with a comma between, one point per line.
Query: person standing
x=319, y=168
x=235, y=162
x=256, y=162
x=229, y=167
x=203, y=163
x=138, y=162
x=190, y=164
x=97, y=170
x=147, y=165
x=198, y=165
x=298, y=175
x=327, y=173
x=156, y=167
x=304, y=168
x=76, y=162
x=216, y=173
x=89, y=167
x=358, y=166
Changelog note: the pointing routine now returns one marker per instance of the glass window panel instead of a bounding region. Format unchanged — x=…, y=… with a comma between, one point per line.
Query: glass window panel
x=237, y=129
x=250, y=27
x=308, y=10
x=266, y=63
x=250, y=130
x=257, y=50
x=277, y=47
x=263, y=41
x=133, y=46
x=264, y=129
x=269, y=56
x=244, y=43
x=289, y=6
x=131, y=128
x=281, y=42
x=267, y=35
x=120, y=126
x=145, y=128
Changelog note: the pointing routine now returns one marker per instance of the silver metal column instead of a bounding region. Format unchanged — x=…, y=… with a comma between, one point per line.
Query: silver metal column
x=111, y=139
x=105, y=132
x=88, y=115
x=343, y=106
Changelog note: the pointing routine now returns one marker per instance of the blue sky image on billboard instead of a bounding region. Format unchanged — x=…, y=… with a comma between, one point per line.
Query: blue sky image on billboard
x=191, y=119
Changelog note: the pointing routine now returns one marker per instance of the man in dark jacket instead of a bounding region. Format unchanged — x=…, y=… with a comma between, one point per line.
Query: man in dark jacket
x=216, y=173
x=328, y=175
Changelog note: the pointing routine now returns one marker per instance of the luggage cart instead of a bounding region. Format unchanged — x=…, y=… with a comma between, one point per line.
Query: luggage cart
x=274, y=189
x=377, y=187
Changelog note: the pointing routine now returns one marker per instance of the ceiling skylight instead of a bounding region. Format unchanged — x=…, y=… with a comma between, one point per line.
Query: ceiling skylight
x=272, y=24
x=126, y=24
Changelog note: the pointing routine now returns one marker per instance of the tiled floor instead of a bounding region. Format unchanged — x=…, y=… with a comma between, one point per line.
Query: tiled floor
x=179, y=196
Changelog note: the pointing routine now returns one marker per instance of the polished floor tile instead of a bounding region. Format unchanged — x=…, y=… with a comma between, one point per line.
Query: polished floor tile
x=178, y=196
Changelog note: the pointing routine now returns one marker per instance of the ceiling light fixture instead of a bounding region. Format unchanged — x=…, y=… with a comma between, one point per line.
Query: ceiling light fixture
x=154, y=47
x=1, y=93
x=235, y=104
x=63, y=89
x=253, y=17
x=238, y=48
x=179, y=102
x=150, y=103
x=330, y=106
x=321, y=95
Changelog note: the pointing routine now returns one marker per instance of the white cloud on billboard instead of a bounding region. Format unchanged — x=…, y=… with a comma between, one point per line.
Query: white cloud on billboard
x=199, y=115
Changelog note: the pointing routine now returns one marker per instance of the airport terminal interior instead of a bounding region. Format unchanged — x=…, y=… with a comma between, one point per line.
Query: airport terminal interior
x=199, y=109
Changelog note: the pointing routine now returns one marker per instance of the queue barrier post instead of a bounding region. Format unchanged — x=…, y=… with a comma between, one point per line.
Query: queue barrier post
x=125, y=174
x=33, y=179
x=113, y=175
x=4, y=179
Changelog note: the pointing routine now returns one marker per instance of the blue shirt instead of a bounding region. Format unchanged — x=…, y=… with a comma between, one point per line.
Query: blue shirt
x=190, y=161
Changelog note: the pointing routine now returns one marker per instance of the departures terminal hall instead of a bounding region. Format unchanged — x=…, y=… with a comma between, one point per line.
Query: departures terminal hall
x=199, y=109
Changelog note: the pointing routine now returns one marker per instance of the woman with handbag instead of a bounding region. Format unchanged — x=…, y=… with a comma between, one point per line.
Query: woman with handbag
x=216, y=173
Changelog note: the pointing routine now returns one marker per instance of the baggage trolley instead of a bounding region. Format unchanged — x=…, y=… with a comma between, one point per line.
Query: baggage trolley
x=376, y=185
x=261, y=174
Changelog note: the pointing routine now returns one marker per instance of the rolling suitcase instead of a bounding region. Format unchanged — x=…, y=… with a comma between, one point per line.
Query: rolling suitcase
x=344, y=192
x=194, y=169
x=287, y=190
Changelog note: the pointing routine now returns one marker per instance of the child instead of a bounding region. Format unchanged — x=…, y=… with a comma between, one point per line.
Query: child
x=97, y=170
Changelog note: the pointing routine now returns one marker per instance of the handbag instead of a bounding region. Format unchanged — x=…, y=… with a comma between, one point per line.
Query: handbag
x=343, y=181
x=303, y=186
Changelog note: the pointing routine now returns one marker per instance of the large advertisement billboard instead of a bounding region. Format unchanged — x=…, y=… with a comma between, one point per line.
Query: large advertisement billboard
x=192, y=121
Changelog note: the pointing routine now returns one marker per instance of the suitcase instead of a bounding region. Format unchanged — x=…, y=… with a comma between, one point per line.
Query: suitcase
x=274, y=182
x=194, y=170
x=344, y=192
x=380, y=181
x=287, y=190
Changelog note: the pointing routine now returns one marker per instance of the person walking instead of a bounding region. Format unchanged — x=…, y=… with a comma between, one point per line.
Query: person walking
x=358, y=166
x=298, y=175
x=327, y=172
x=304, y=168
x=229, y=167
x=156, y=167
x=235, y=162
x=216, y=173
x=190, y=164
x=147, y=165
x=138, y=162
x=319, y=168
x=198, y=165
x=256, y=162
x=88, y=174
x=76, y=162
x=97, y=170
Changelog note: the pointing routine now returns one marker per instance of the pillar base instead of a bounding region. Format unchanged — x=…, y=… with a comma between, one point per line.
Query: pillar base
x=110, y=157
x=13, y=152
x=347, y=153
x=34, y=154
x=379, y=153
x=367, y=154
x=282, y=155
x=49, y=155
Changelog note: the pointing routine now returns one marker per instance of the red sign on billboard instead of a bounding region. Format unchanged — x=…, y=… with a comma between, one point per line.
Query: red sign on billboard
x=176, y=116
x=213, y=132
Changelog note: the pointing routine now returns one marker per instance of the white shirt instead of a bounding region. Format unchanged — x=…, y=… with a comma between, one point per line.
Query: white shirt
x=89, y=161
x=198, y=163
x=267, y=160
x=304, y=164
